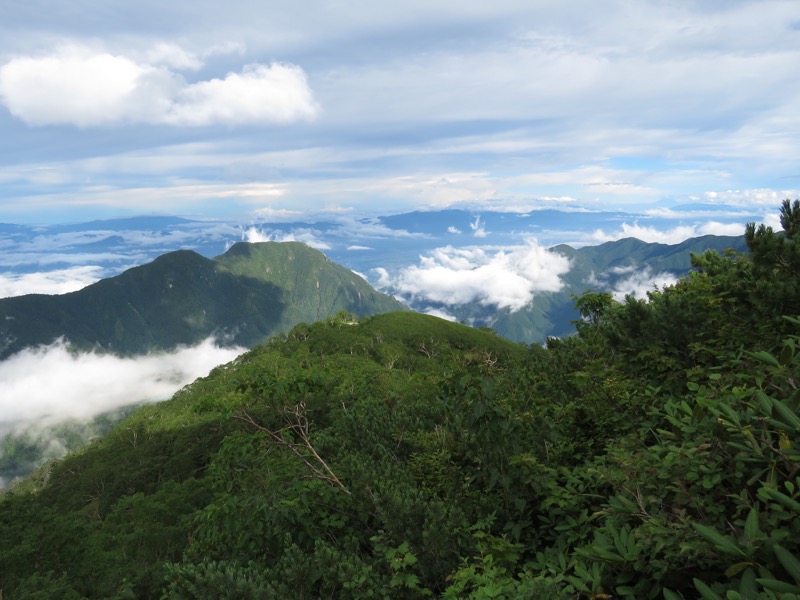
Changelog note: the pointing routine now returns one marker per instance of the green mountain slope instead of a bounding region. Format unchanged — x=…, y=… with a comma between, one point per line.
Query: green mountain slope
x=249, y=293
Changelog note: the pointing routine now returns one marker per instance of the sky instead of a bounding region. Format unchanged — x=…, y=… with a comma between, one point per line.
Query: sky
x=272, y=110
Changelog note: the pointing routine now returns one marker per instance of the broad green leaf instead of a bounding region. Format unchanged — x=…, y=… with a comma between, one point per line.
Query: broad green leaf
x=766, y=358
x=781, y=498
x=779, y=586
x=787, y=414
x=764, y=401
x=751, y=528
x=789, y=562
x=787, y=354
x=748, y=589
x=706, y=592
x=737, y=568
x=723, y=543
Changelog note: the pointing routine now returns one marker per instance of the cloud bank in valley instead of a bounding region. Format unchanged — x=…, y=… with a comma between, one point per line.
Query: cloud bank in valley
x=78, y=85
x=503, y=278
x=674, y=235
x=638, y=282
x=60, y=281
x=50, y=384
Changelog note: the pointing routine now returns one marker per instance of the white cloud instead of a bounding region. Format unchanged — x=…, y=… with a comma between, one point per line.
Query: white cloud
x=506, y=279
x=751, y=198
x=277, y=93
x=675, y=235
x=78, y=86
x=81, y=86
x=173, y=56
x=638, y=283
x=306, y=236
x=254, y=235
x=442, y=314
x=478, y=228
x=51, y=384
x=60, y=281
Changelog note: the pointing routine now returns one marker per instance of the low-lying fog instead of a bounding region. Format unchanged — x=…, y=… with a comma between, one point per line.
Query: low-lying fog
x=43, y=387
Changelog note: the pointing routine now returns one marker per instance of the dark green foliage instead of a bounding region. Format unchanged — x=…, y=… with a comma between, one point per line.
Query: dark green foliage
x=652, y=455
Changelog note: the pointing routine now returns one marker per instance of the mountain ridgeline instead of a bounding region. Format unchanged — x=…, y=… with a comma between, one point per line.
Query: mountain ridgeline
x=254, y=291
x=242, y=297
x=654, y=454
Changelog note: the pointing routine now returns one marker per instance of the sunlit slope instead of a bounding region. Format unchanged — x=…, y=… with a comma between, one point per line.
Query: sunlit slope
x=182, y=298
x=311, y=286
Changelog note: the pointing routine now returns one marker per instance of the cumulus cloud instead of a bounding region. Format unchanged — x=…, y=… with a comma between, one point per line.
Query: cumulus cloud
x=638, y=283
x=82, y=386
x=306, y=236
x=506, y=279
x=61, y=281
x=675, y=235
x=478, y=228
x=276, y=93
x=81, y=86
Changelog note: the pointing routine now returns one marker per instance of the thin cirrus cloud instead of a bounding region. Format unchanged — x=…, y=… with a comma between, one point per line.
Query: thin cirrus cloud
x=87, y=88
x=504, y=278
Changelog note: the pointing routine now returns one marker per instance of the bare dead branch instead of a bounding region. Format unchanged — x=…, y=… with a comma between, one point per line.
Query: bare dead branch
x=296, y=422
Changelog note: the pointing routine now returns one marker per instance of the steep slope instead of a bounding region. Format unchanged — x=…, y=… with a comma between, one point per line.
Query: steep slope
x=182, y=298
x=312, y=287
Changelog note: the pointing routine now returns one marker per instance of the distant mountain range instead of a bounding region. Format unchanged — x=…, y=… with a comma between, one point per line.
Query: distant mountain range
x=624, y=266
x=256, y=290
x=243, y=297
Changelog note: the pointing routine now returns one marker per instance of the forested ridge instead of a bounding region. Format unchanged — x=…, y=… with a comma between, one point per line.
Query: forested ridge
x=654, y=454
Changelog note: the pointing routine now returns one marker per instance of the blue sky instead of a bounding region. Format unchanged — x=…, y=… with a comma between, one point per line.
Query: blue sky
x=260, y=110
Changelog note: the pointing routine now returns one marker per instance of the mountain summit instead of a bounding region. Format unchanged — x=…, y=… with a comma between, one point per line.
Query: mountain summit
x=242, y=297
